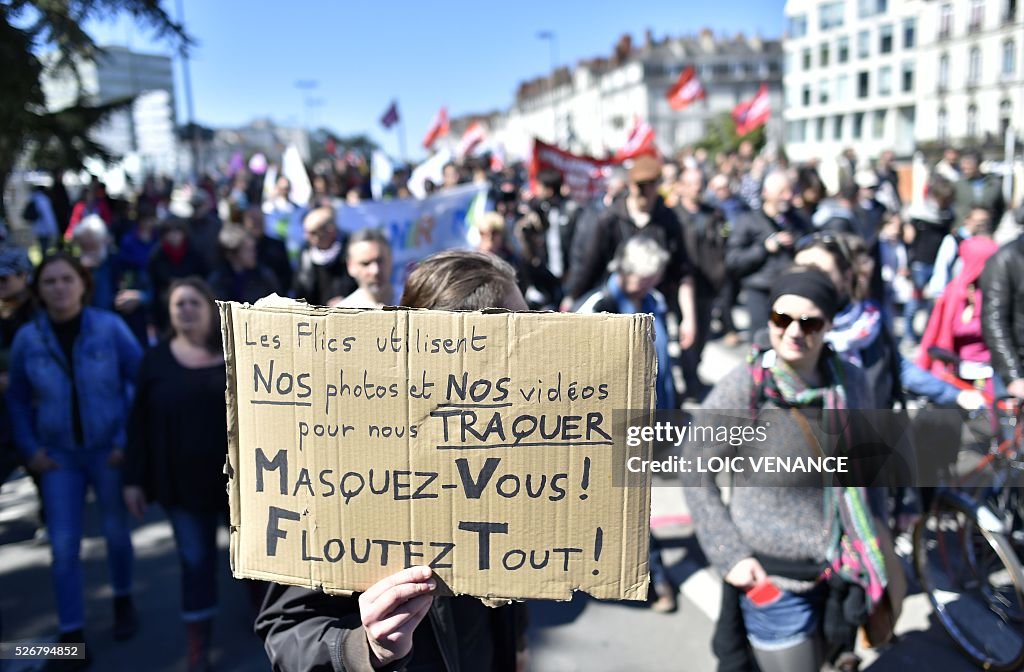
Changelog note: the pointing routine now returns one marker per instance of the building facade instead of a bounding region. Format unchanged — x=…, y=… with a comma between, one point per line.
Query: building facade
x=143, y=135
x=590, y=108
x=973, y=89
x=901, y=75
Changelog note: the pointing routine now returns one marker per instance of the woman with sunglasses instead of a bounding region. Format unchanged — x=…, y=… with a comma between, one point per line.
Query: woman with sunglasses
x=785, y=532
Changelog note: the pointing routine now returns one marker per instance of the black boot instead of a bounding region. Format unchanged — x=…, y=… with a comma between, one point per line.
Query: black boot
x=70, y=664
x=126, y=619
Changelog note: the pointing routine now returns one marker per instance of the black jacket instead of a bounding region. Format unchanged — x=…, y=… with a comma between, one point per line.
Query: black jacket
x=246, y=287
x=319, y=284
x=705, y=233
x=612, y=228
x=1002, y=315
x=745, y=255
x=273, y=254
x=308, y=631
x=162, y=273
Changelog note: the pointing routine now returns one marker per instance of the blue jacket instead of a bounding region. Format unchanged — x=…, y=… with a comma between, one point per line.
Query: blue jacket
x=106, y=361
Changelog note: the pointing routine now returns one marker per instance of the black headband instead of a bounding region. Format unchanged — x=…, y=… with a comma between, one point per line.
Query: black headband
x=811, y=284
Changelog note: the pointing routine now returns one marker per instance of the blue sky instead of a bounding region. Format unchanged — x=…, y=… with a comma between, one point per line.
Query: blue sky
x=469, y=56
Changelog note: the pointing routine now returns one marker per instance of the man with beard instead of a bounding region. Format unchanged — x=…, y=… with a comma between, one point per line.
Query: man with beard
x=368, y=259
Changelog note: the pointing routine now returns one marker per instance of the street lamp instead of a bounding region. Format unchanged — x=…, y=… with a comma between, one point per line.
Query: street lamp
x=306, y=85
x=552, y=39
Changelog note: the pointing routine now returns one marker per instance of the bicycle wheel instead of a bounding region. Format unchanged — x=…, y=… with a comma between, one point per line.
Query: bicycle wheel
x=974, y=581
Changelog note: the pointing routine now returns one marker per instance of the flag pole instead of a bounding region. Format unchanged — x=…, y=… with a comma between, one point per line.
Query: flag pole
x=401, y=136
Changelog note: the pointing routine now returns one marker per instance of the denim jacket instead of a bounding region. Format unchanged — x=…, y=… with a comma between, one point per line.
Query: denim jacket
x=106, y=361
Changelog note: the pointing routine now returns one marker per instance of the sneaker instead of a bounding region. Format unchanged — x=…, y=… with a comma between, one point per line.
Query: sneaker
x=664, y=598
x=126, y=619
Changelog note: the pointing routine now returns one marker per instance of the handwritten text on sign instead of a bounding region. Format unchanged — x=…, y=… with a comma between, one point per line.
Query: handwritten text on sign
x=477, y=444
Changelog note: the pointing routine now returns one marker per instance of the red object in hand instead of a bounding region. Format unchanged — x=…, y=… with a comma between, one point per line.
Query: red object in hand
x=764, y=593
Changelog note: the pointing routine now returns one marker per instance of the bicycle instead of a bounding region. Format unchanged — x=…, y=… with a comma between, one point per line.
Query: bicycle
x=968, y=548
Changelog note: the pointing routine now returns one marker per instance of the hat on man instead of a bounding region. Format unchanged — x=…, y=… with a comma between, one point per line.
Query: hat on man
x=645, y=169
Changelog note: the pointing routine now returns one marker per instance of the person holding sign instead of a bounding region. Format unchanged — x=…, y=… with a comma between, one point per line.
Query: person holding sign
x=177, y=435
x=71, y=370
x=399, y=622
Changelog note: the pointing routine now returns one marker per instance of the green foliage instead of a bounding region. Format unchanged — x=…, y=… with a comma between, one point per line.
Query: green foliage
x=28, y=27
x=720, y=136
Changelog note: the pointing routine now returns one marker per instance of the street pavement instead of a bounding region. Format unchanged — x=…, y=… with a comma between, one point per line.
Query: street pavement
x=581, y=634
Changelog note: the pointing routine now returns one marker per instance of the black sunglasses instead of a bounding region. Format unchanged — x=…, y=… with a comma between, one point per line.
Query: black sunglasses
x=830, y=242
x=808, y=324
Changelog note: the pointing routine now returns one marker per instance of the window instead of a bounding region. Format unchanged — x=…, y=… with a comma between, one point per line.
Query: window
x=977, y=17
x=974, y=66
x=831, y=15
x=885, y=39
x=1004, y=117
x=842, y=86
x=820, y=133
x=909, y=33
x=843, y=50
x=945, y=21
x=863, y=44
x=878, y=124
x=796, y=131
x=837, y=128
x=798, y=26
x=866, y=8
x=943, y=72
x=972, y=121
x=942, y=125
x=823, y=55
x=858, y=125
x=1009, y=11
x=1009, y=58
x=806, y=58
x=907, y=77
x=805, y=95
x=863, y=84
x=885, y=80
x=823, y=91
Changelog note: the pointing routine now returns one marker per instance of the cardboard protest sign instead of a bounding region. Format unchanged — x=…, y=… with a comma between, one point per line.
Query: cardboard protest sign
x=480, y=444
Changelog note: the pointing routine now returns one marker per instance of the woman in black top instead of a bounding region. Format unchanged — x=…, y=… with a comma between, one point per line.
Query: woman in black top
x=177, y=441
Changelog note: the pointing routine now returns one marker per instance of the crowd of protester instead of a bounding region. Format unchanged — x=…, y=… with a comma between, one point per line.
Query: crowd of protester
x=111, y=363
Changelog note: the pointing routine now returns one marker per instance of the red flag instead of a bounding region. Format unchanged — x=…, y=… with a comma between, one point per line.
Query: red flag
x=754, y=113
x=390, y=117
x=473, y=136
x=438, y=128
x=686, y=90
x=582, y=174
x=640, y=141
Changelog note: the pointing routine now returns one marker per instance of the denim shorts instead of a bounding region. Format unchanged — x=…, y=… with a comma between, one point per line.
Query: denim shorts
x=792, y=619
